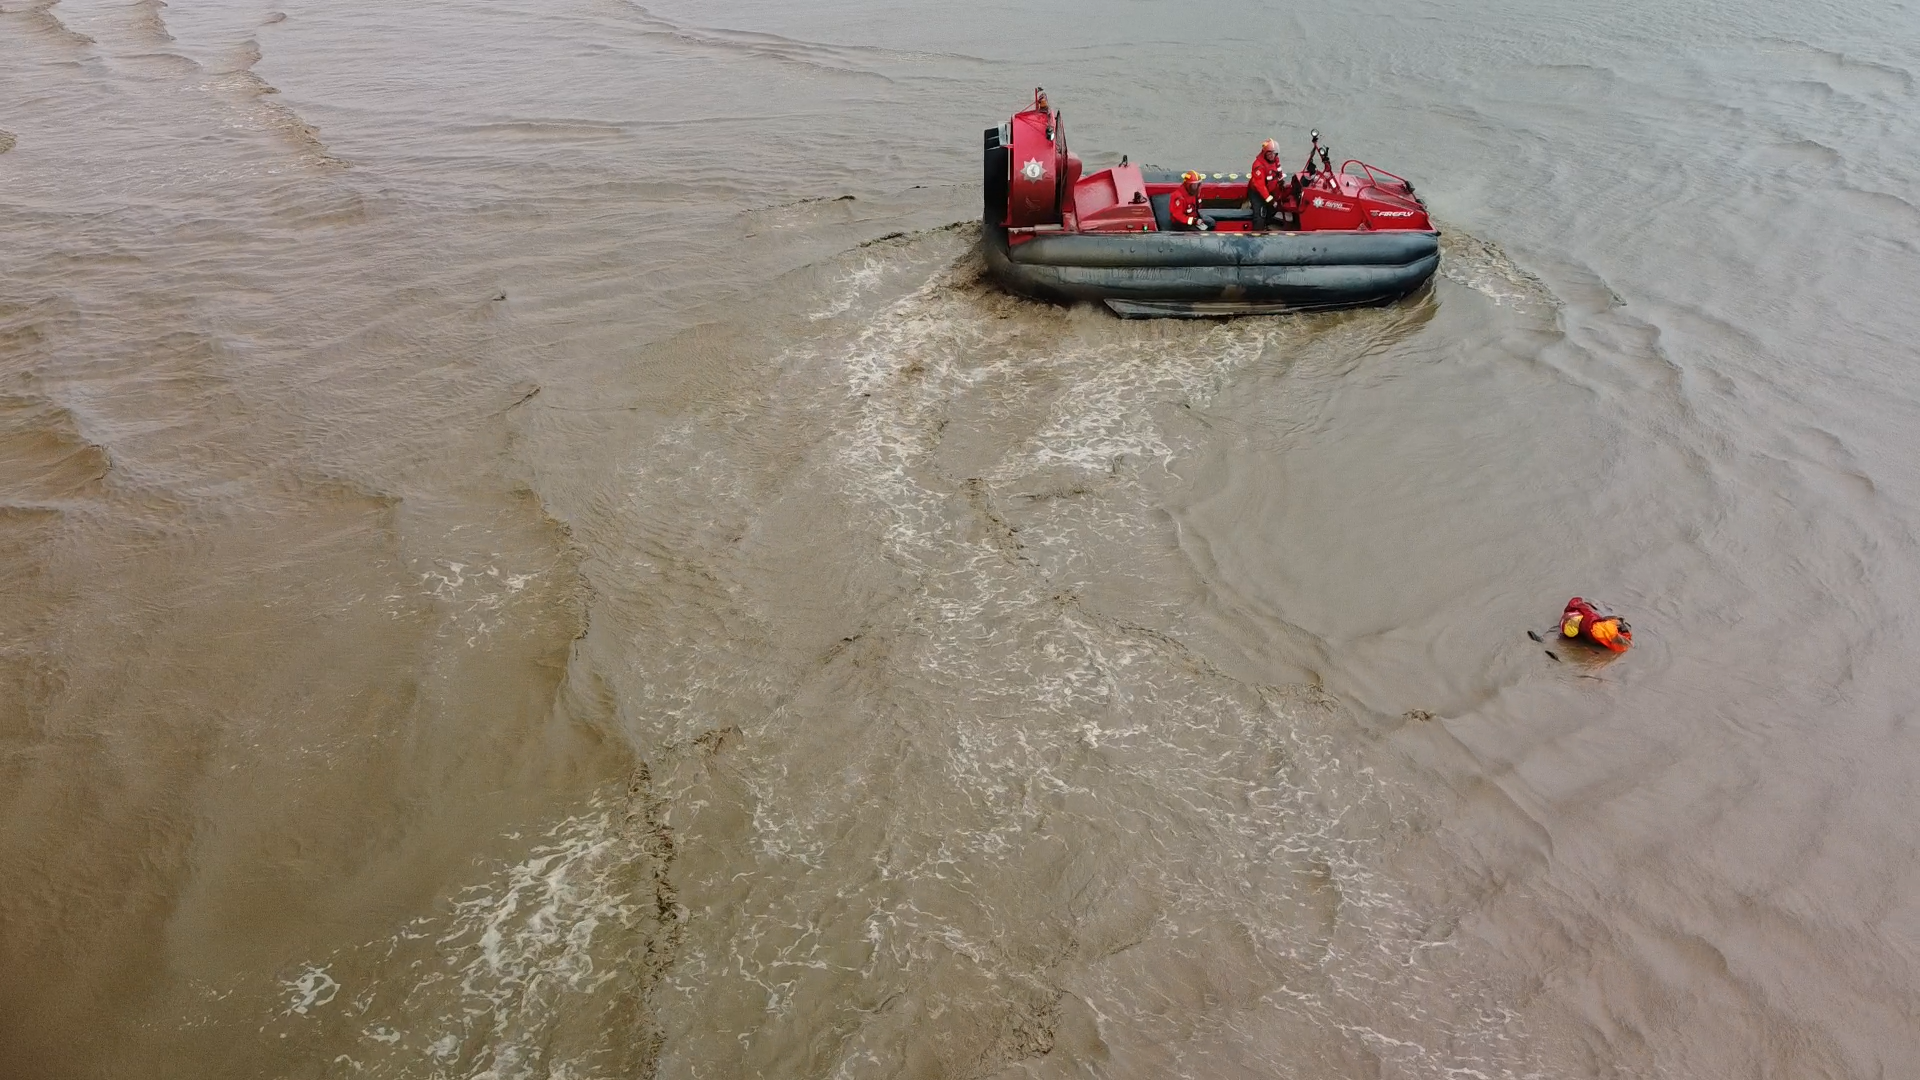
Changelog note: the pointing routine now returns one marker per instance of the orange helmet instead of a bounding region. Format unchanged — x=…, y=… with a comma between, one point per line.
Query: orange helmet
x=1190, y=178
x=1270, y=148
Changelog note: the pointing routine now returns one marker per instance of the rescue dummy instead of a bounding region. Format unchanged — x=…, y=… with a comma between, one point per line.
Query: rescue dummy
x=1595, y=626
x=1183, y=206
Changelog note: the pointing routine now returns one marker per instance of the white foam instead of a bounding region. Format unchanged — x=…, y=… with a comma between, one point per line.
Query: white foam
x=850, y=287
x=475, y=603
x=310, y=990
x=489, y=989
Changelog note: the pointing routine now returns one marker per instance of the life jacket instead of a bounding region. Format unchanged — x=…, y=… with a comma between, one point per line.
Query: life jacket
x=1183, y=208
x=1594, y=626
x=1264, y=178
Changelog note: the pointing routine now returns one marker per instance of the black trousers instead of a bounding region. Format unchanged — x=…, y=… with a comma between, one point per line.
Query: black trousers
x=1264, y=215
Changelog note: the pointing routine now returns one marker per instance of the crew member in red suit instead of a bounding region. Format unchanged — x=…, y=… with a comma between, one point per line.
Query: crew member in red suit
x=1183, y=206
x=1267, y=188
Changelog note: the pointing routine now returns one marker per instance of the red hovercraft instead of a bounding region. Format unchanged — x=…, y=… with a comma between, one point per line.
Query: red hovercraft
x=1353, y=235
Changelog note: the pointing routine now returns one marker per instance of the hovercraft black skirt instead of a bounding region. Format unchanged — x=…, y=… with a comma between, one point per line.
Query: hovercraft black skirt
x=1215, y=274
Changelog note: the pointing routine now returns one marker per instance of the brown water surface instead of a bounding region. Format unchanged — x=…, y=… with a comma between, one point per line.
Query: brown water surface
x=529, y=550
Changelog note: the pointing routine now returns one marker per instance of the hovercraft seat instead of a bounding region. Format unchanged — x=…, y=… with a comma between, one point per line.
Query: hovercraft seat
x=1163, y=218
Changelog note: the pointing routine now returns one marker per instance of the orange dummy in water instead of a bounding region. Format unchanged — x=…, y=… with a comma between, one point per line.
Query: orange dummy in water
x=1595, y=626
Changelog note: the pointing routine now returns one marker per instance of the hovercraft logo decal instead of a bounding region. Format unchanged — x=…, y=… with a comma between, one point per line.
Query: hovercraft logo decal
x=1330, y=204
x=1033, y=170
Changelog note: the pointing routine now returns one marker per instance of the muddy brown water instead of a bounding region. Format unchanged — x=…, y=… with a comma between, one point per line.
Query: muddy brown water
x=529, y=550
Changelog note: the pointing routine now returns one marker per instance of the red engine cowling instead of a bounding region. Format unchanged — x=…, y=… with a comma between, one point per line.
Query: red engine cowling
x=1040, y=169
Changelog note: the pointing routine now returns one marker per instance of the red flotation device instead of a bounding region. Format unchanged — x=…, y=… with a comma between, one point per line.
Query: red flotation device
x=1595, y=626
